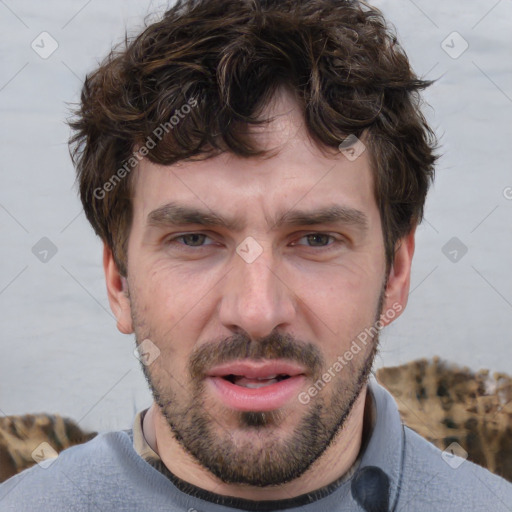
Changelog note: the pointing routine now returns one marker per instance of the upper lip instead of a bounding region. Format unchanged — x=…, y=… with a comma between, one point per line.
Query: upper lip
x=256, y=369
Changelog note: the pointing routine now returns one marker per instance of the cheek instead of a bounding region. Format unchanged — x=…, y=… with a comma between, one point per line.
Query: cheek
x=344, y=296
x=171, y=300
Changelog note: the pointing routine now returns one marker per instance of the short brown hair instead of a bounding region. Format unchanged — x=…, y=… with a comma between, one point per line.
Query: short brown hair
x=225, y=59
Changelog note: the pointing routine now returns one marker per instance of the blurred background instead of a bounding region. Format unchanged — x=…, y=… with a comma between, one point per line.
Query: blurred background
x=60, y=349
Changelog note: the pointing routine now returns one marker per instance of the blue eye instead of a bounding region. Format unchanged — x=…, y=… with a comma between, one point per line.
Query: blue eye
x=197, y=240
x=191, y=239
x=318, y=239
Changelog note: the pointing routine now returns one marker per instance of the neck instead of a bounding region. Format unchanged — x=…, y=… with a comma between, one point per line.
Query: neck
x=334, y=462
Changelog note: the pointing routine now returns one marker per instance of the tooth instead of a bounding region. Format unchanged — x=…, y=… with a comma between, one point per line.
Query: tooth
x=267, y=378
x=254, y=385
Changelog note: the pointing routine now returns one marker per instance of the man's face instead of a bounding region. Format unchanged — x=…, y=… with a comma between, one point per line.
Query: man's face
x=249, y=315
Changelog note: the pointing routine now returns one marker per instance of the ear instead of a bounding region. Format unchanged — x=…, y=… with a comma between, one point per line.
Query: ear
x=399, y=279
x=117, y=289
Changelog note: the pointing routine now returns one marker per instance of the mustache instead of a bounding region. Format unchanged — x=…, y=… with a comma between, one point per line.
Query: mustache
x=241, y=347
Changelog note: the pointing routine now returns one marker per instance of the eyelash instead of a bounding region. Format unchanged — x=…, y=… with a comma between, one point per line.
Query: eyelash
x=326, y=247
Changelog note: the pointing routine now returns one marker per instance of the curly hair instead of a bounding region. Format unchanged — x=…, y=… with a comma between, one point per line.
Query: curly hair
x=212, y=66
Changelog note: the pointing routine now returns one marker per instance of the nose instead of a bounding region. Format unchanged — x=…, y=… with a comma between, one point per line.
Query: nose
x=257, y=297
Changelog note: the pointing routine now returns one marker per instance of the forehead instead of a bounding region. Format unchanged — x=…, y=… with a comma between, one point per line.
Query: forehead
x=297, y=174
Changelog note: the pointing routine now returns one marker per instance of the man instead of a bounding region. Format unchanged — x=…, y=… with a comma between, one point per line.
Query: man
x=256, y=170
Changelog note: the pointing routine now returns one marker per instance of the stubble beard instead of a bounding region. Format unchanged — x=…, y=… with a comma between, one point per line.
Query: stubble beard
x=257, y=453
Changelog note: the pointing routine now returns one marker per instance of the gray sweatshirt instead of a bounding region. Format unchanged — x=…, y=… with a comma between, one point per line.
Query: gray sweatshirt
x=397, y=471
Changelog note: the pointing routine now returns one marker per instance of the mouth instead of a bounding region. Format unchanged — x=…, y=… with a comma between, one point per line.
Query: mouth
x=256, y=386
x=240, y=380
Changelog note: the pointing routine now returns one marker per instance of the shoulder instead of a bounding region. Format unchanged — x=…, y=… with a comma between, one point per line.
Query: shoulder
x=94, y=472
x=442, y=480
x=424, y=478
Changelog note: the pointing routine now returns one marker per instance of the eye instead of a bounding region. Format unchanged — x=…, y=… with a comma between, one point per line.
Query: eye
x=317, y=240
x=190, y=239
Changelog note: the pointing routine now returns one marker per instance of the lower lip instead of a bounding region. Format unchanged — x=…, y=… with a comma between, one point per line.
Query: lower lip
x=266, y=398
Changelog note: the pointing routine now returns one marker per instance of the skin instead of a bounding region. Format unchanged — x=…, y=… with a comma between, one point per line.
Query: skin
x=190, y=299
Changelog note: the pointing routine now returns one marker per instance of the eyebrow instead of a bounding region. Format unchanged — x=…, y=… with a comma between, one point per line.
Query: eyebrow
x=174, y=214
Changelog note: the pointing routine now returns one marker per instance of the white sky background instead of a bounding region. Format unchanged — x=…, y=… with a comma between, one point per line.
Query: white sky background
x=60, y=348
